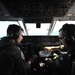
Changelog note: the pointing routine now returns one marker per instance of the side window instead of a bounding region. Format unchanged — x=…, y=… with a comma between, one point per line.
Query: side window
x=4, y=25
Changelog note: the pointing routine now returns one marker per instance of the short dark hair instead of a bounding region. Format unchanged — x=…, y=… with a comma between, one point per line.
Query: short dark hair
x=13, y=30
x=68, y=29
x=68, y=33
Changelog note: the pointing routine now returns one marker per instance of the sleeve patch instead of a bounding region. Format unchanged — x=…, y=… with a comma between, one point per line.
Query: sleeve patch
x=22, y=55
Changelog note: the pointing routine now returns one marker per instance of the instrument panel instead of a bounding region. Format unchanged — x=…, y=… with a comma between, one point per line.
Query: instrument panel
x=35, y=45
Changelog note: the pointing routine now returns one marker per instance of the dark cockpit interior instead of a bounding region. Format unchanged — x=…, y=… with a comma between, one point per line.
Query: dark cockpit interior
x=38, y=11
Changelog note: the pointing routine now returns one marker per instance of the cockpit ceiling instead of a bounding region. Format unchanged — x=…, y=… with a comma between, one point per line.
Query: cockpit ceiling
x=37, y=10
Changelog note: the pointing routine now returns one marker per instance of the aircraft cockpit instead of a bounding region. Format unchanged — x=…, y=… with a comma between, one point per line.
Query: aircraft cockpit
x=40, y=42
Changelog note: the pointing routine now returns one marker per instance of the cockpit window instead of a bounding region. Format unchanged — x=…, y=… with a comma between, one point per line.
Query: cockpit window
x=32, y=29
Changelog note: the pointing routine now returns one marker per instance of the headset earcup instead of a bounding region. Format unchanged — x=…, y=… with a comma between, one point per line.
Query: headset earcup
x=68, y=40
x=16, y=35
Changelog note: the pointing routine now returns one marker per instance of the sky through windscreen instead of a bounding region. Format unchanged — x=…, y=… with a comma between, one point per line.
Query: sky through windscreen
x=32, y=30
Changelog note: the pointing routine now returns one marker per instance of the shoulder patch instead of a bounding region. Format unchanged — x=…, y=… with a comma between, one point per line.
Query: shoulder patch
x=22, y=55
x=61, y=58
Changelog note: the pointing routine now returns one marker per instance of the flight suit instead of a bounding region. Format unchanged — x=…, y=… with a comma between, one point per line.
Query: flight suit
x=60, y=66
x=12, y=60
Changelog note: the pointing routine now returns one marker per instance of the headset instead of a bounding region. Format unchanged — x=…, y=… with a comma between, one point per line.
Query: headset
x=13, y=35
x=69, y=39
x=13, y=31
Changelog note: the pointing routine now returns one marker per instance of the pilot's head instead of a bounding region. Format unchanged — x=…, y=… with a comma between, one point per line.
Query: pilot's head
x=67, y=35
x=15, y=32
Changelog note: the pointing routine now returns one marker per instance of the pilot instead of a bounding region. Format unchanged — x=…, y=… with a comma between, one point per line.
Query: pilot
x=12, y=59
x=62, y=65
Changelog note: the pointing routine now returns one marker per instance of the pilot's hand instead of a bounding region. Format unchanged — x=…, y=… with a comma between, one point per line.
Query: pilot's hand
x=32, y=59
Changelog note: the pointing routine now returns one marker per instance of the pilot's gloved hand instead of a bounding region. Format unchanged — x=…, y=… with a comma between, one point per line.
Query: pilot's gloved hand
x=33, y=58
